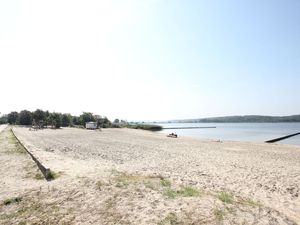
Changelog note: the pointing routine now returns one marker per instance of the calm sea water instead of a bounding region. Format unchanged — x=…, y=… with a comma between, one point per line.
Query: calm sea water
x=257, y=132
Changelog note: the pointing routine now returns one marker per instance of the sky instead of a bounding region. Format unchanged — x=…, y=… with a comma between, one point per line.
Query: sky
x=151, y=59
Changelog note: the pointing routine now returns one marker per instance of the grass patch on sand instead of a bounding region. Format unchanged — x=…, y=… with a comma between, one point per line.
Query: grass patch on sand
x=18, y=148
x=39, y=176
x=250, y=202
x=219, y=214
x=165, y=182
x=225, y=197
x=170, y=219
x=150, y=127
x=123, y=179
x=99, y=185
x=33, y=211
x=12, y=200
x=157, y=182
x=54, y=175
x=186, y=191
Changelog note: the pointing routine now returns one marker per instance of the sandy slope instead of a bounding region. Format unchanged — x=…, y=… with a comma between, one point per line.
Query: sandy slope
x=263, y=179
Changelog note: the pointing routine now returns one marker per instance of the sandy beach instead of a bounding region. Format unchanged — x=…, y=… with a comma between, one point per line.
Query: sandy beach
x=126, y=176
x=2, y=127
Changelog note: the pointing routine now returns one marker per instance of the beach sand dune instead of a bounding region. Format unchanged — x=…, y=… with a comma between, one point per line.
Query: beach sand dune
x=125, y=176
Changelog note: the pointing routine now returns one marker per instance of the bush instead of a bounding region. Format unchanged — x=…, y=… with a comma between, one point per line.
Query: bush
x=150, y=127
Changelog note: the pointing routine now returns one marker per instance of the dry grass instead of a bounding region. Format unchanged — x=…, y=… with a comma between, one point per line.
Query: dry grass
x=12, y=200
x=14, y=146
x=219, y=214
x=186, y=191
x=170, y=219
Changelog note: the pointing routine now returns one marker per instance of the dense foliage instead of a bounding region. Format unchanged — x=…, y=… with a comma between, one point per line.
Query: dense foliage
x=141, y=126
x=40, y=118
x=3, y=119
x=12, y=117
x=25, y=117
x=150, y=127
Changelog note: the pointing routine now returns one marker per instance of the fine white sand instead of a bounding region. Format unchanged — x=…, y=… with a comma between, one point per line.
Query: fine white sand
x=114, y=176
x=2, y=127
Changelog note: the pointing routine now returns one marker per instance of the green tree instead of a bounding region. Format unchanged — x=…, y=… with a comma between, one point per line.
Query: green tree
x=39, y=117
x=55, y=120
x=86, y=117
x=104, y=122
x=3, y=119
x=25, y=117
x=75, y=120
x=66, y=120
x=12, y=117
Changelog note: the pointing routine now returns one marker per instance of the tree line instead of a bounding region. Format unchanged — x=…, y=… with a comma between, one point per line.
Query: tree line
x=244, y=119
x=42, y=119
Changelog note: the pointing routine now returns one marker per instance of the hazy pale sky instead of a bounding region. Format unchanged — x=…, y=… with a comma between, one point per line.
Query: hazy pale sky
x=151, y=60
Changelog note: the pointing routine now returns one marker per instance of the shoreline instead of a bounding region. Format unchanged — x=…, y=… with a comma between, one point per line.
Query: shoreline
x=248, y=133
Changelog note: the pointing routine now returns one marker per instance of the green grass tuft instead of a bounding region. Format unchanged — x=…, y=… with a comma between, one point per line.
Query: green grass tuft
x=165, y=182
x=188, y=192
x=170, y=193
x=150, y=127
x=225, y=197
x=53, y=175
x=183, y=192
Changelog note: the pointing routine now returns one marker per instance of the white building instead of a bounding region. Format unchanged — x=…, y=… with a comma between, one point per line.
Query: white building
x=91, y=125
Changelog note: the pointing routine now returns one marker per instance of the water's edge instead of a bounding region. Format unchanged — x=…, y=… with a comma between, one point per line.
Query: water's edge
x=255, y=132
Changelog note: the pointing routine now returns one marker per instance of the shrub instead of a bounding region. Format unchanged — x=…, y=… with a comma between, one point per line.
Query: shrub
x=150, y=127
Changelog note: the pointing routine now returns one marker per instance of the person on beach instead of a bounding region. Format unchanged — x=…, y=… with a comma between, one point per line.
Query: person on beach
x=173, y=135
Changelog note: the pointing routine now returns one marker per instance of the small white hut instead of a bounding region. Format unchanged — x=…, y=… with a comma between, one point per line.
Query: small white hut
x=91, y=125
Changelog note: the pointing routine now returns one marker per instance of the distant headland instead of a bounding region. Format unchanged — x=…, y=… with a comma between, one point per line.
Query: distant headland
x=242, y=119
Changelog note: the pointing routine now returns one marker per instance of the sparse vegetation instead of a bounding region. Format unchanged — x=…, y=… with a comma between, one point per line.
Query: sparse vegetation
x=39, y=211
x=124, y=179
x=18, y=148
x=186, y=191
x=39, y=176
x=99, y=185
x=219, y=214
x=53, y=175
x=150, y=185
x=171, y=219
x=170, y=193
x=164, y=182
x=12, y=200
x=225, y=197
x=250, y=202
x=150, y=127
